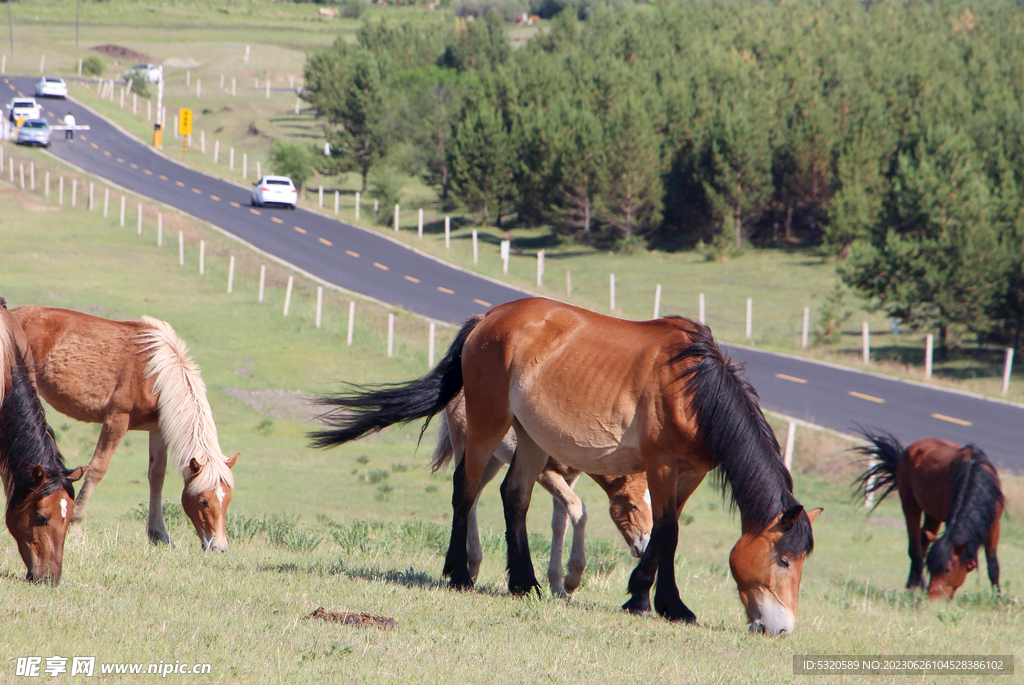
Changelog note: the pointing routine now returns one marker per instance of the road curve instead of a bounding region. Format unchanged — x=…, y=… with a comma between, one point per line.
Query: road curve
x=364, y=262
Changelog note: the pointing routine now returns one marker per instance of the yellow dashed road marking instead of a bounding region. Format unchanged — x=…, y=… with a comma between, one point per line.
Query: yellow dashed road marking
x=197, y=191
x=253, y=210
x=300, y=230
x=235, y=204
x=410, y=278
x=794, y=379
x=134, y=165
x=950, y=419
x=120, y=160
x=83, y=137
x=326, y=242
x=94, y=145
x=107, y=153
x=351, y=253
x=869, y=398
x=214, y=197
x=179, y=183
x=482, y=303
x=276, y=220
x=164, y=178
x=446, y=291
x=147, y=172
x=381, y=266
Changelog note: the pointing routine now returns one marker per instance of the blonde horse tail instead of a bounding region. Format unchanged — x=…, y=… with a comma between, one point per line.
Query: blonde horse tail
x=7, y=354
x=443, y=450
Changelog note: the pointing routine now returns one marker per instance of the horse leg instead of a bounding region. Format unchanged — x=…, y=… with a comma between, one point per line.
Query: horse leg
x=473, y=549
x=567, y=507
x=155, y=527
x=991, y=542
x=916, y=546
x=516, y=490
x=114, y=428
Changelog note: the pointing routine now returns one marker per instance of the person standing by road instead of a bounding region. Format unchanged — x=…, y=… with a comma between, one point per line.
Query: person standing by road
x=69, y=122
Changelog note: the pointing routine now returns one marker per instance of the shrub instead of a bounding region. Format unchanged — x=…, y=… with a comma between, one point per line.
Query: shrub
x=139, y=85
x=386, y=186
x=292, y=160
x=93, y=66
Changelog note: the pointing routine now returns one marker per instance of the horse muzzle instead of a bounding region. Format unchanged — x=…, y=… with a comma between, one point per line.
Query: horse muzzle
x=640, y=546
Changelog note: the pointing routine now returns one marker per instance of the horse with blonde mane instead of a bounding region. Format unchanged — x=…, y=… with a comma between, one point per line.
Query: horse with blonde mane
x=135, y=375
x=612, y=397
x=38, y=488
x=629, y=501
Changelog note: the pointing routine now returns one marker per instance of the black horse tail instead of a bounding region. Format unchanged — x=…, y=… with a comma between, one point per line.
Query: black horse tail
x=368, y=409
x=886, y=452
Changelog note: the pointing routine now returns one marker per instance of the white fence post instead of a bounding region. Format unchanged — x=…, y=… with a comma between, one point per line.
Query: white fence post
x=611, y=292
x=865, y=335
x=430, y=346
x=74, y=193
x=337, y=202
x=540, y=268
x=202, y=257
x=419, y=225
x=288, y=294
x=202, y=142
x=231, y=274
x=447, y=233
x=91, y=188
x=750, y=317
x=233, y=89
x=1007, y=370
x=216, y=150
x=199, y=88
x=700, y=308
x=506, y=248
x=61, y=191
x=106, y=201
x=319, y=303
x=321, y=199
x=568, y=284
x=159, y=229
x=181, y=248
x=391, y=335
x=231, y=164
x=806, y=327
x=929, y=341
x=357, y=208
x=21, y=175
x=476, y=249
x=245, y=165
x=351, y=321
x=123, y=200
x=396, y=218
x=790, y=439
x=263, y=281
x=657, y=301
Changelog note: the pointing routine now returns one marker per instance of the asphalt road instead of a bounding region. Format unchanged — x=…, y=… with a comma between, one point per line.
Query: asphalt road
x=364, y=262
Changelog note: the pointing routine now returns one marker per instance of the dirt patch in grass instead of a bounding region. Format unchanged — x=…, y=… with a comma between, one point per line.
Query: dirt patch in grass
x=360, y=620
x=122, y=52
x=284, y=405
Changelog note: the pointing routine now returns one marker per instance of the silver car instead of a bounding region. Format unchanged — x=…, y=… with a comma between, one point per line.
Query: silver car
x=51, y=87
x=274, y=190
x=35, y=132
x=147, y=72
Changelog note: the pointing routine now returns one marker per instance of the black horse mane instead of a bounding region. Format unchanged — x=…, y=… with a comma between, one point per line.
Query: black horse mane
x=972, y=511
x=28, y=442
x=738, y=439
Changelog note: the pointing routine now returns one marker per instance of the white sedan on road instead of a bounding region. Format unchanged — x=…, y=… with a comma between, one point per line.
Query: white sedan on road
x=24, y=108
x=51, y=87
x=274, y=190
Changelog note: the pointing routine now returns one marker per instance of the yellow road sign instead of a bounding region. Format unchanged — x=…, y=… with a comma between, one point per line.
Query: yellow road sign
x=185, y=122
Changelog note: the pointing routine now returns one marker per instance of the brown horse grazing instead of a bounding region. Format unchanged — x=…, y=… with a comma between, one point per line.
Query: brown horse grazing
x=947, y=483
x=629, y=499
x=39, y=491
x=611, y=397
x=135, y=375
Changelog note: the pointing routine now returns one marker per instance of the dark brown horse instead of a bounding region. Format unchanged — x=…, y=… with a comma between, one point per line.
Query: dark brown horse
x=38, y=487
x=612, y=397
x=949, y=484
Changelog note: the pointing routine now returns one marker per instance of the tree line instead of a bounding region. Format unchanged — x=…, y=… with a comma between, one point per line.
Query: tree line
x=889, y=134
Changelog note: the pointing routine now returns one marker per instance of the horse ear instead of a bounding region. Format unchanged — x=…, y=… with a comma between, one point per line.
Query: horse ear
x=194, y=465
x=930, y=536
x=788, y=518
x=38, y=474
x=231, y=462
x=813, y=513
x=76, y=474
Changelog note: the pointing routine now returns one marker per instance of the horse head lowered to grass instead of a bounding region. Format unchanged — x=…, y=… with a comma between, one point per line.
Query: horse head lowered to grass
x=612, y=397
x=38, y=487
x=135, y=375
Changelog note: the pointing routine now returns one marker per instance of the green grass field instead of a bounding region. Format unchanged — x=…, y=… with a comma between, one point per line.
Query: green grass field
x=363, y=528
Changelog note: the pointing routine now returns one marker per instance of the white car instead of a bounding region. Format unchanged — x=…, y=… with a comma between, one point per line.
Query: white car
x=35, y=132
x=149, y=72
x=274, y=190
x=24, y=108
x=51, y=87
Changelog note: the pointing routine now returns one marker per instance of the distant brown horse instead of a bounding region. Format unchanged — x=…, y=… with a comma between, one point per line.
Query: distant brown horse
x=630, y=501
x=613, y=397
x=38, y=488
x=135, y=375
x=949, y=484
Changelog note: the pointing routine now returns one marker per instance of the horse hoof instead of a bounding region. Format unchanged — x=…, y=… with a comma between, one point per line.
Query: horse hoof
x=676, y=612
x=521, y=588
x=159, y=537
x=638, y=607
x=460, y=581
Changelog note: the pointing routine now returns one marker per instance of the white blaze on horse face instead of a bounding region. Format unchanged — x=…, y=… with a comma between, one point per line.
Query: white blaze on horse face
x=647, y=496
x=220, y=494
x=64, y=509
